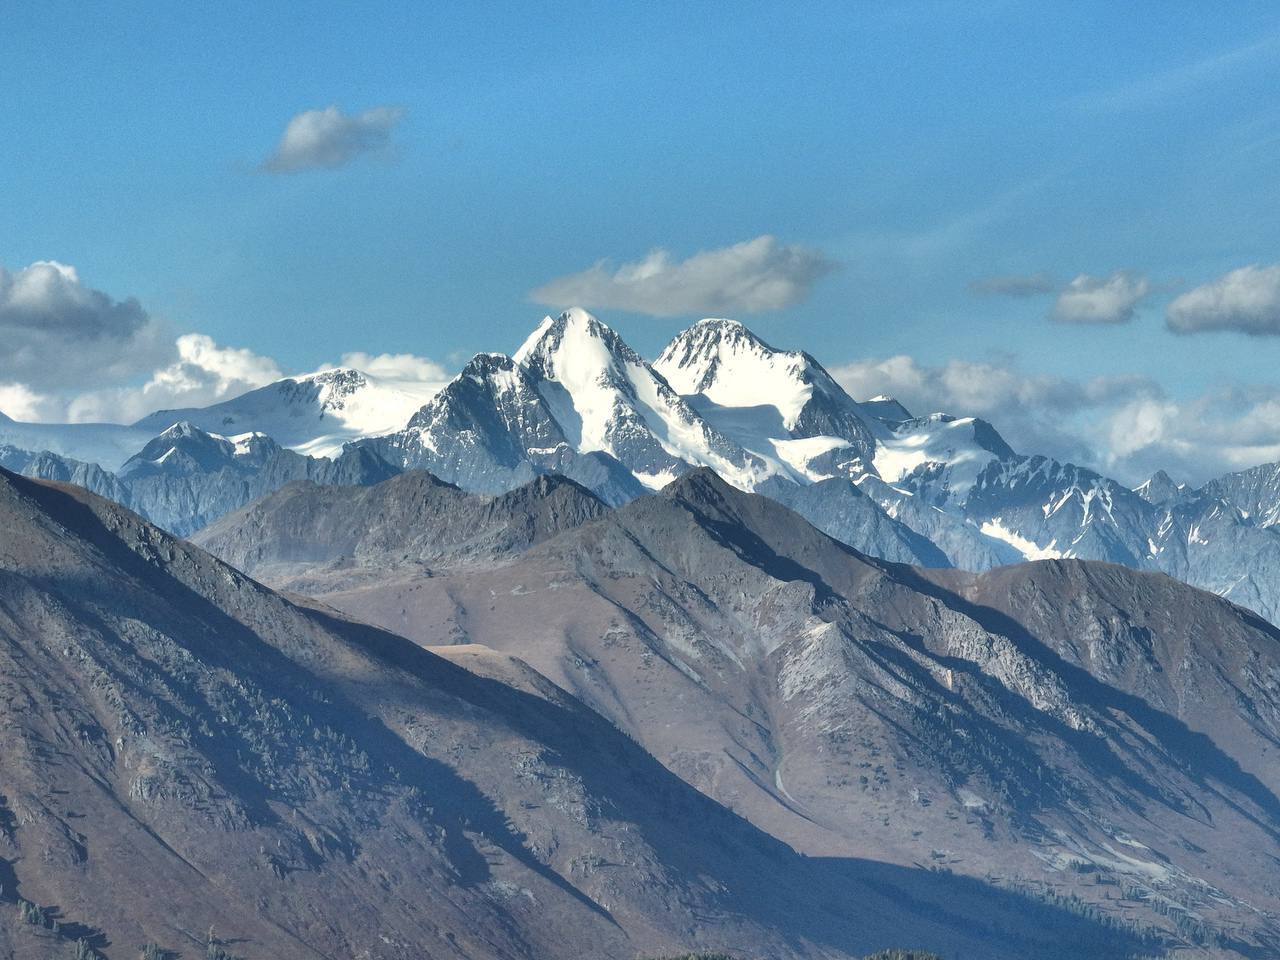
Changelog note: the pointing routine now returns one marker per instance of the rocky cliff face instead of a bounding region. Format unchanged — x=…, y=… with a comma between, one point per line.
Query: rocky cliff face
x=1254, y=492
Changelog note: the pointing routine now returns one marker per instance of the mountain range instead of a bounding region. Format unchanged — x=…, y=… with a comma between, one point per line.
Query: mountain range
x=598, y=656
x=935, y=491
x=197, y=765
x=1092, y=733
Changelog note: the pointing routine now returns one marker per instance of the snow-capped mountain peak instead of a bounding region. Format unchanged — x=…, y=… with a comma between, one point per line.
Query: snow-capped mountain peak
x=314, y=414
x=954, y=450
x=182, y=430
x=575, y=346
x=336, y=386
x=780, y=404
x=184, y=448
x=607, y=398
x=732, y=367
x=886, y=409
x=1254, y=492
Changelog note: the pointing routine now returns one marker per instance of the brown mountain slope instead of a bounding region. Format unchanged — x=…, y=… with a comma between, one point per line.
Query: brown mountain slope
x=186, y=750
x=858, y=708
x=414, y=517
x=1213, y=666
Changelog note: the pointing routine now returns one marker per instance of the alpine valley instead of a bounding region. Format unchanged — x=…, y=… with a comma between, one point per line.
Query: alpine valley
x=585, y=655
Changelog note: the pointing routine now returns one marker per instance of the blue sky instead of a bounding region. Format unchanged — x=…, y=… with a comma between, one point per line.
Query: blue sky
x=912, y=148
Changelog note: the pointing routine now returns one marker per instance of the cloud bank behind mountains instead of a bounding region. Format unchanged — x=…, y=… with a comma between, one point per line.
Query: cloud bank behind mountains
x=1126, y=427
x=76, y=354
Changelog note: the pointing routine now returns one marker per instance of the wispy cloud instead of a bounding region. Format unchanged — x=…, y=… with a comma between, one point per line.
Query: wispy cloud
x=958, y=230
x=749, y=277
x=1163, y=85
x=327, y=139
x=1012, y=285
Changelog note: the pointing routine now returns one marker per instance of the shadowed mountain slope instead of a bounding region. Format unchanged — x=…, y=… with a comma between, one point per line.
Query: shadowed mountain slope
x=187, y=751
x=415, y=518
x=1032, y=724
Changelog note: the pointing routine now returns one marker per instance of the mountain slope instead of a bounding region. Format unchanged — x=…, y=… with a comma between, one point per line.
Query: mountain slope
x=185, y=477
x=188, y=753
x=422, y=522
x=840, y=508
x=955, y=482
x=856, y=708
x=1254, y=492
x=1208, y=665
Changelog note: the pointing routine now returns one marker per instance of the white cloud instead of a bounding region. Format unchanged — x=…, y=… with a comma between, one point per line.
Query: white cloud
x=74, y=354
x=1012, y=285
x=749, y=277
x=204, y=373
x=1125, y=427
x=1245, y=300
x=58, y=331
x=1034, y=413
x=1110, y=299
x=20, y=402
x=397, y=366
x=981, y=389
x=1139, y=425
x=1224, y=429
x=327, y=139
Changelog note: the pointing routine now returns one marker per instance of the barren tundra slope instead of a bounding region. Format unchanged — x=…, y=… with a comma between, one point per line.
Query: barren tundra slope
x=187, y=751
x=1070, y=728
